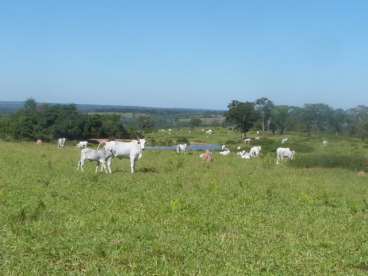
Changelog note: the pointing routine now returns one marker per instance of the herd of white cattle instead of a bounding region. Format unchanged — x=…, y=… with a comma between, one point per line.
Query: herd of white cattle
x=134, y=151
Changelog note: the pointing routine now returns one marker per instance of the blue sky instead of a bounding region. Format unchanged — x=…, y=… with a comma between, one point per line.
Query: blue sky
x=185, y=53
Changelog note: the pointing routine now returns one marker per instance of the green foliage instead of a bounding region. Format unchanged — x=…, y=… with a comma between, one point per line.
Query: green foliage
x=49, y=122
x=242, y=114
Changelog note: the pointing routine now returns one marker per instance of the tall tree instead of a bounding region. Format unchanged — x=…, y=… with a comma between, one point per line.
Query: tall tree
x=265, y=106
x=243, y=115
x=279, y=116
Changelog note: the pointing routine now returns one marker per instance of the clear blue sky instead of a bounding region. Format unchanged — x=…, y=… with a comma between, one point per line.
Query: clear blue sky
x=200, y=53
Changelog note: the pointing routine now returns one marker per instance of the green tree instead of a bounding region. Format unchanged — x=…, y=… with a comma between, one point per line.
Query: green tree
x=265, y=106
x=145, y=123
x=195, y=122
x=243, y=115
x=279, y=116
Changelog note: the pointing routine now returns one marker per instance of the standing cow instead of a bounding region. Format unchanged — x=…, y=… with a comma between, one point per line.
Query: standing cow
x=133, y=150
x=284, y=153
x=181, y=148
x=61, y=143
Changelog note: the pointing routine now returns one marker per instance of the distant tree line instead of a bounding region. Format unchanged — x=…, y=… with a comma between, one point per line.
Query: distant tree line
x=49, y=122
x=264, y=115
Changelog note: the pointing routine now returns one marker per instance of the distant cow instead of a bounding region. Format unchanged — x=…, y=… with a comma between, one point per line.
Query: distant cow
x=82, y=144
x=207, y=156
x=248, y=140
x=209, y=132
x=255, y=151
x=99, y=156
x=181, y=148
x=244, y=155
x=284, y=140
x=325, y=142
x=61, y=143
x=225, y=152
x=39, y=142
x=284, y=153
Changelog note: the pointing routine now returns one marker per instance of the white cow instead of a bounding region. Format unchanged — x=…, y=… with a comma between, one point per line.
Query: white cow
x=181, y=148
x=284, y=140
x=325, y=142
x=248, y=140
x=82, y=144
x=61, y=143
x=284, y=153
x=255, y=151
x=100, y=156
x=133, y=150
x=225, y=152
x=209, y=132
x=244, y=155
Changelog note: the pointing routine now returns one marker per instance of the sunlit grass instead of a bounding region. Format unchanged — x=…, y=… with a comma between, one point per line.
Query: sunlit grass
x=179, y=215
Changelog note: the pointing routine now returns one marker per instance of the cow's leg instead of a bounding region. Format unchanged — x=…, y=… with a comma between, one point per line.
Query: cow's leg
x=109, y=160
x=132, y=164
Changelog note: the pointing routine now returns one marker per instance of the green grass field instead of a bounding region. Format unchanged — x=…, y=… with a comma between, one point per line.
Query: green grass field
x=181, y=216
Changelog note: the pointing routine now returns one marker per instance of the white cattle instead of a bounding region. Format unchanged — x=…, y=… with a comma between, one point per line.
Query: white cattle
x=284, y=153
x=246, y=155
x=181, y=148
x=255, y=151
x=61, y=143
x=284, y=140
x=133, y=150
x=258, y=132
x=82, y=144
x=99, y=156
x=225, y=152
x=325, y=142
x=248, y=140
x=209, y=132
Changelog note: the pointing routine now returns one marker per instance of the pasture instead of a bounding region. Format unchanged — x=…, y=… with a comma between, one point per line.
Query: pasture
x=181, y=216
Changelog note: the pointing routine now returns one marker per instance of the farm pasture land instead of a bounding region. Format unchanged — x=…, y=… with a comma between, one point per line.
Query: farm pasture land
x=181, y=216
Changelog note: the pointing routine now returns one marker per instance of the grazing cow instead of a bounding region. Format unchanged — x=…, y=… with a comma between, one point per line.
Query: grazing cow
x=255, y=151
x=209, y=132
x=82, y=144
x=248, y=140
x=207, y=156
x=133, y=150
x=284, y=153
x=181, y=148
x=284, y=140
x=325, y=142
x=61, y=143
x=99, y=156
x=39, y=142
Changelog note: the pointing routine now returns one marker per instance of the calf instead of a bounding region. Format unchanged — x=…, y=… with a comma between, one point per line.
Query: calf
x=82, y=144
x=100, y=156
